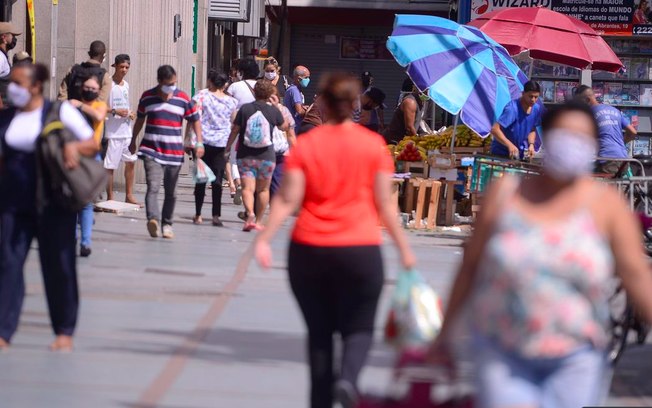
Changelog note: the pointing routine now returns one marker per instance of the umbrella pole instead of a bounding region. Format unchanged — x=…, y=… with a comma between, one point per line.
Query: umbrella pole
x=454, y=133
x=529, y=74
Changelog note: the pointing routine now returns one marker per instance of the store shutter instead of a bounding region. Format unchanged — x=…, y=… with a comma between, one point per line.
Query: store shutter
x=229, y=10
x=318, y=48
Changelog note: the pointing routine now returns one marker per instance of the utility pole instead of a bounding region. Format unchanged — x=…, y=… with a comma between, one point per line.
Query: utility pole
x=54, y=20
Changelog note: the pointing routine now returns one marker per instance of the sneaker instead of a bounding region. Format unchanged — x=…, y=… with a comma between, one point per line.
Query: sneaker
x=167, y=232
x=242, y=215
x=152, y=227
x=217, y=222
x=197, y=220
x=84, y=251
x=237, y=199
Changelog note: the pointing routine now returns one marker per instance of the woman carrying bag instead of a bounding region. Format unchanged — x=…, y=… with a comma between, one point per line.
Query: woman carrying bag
x=338, y=175
x=21, y=220
x=217, y=110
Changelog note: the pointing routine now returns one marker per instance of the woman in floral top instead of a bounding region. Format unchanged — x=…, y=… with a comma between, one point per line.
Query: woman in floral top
x=217, y=110
x=536, y=276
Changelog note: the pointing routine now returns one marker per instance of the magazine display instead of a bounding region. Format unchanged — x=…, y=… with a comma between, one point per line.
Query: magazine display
x=640, y=69
x=613, y=93
x=631, y=94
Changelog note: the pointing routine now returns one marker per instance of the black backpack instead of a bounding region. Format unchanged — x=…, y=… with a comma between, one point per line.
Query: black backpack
x=78, y=73
x=70, y=189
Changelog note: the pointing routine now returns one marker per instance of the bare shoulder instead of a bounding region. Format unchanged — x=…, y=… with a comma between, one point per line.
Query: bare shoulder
x=607, y=204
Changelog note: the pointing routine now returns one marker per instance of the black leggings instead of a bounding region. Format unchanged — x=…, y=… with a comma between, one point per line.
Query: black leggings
x=215, y=159
x=337, y=289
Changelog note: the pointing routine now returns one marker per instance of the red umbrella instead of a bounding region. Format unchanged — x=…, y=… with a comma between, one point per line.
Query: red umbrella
x=550, y=36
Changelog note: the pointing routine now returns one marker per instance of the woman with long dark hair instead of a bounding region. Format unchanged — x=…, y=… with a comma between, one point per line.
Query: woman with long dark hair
x=217, y=110
x=338, y=176
x=20, y=219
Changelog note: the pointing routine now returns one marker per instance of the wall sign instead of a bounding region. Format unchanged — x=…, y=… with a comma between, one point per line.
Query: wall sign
x=364, y=48
x=607, y=17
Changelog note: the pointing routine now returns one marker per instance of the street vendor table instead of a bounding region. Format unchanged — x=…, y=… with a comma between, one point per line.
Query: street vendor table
x=489, y=168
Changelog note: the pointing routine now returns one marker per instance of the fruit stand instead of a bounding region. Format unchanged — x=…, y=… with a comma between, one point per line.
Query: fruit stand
x=432, y=170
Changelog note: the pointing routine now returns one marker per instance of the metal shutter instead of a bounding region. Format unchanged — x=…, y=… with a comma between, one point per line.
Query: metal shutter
x=309, y=48
x=229, y=10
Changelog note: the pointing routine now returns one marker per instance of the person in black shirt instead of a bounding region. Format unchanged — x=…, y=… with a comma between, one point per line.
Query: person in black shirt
x=253, y=127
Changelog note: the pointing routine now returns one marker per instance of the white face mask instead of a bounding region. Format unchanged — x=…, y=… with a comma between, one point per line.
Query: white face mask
x=270, y=76
x=568, y=155
x=168, y=89
x=18, y=96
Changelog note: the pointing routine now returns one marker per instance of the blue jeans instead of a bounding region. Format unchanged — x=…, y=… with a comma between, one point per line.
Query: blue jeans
x=506, y=379
x=86, y=224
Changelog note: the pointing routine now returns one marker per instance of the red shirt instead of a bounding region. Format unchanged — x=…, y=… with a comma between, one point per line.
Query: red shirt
x=340, y=164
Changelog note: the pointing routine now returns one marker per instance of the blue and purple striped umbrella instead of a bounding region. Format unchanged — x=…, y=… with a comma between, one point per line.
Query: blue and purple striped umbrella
x=462, y=69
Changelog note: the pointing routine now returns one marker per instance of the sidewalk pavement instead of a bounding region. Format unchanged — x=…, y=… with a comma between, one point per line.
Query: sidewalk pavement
x=191, y=323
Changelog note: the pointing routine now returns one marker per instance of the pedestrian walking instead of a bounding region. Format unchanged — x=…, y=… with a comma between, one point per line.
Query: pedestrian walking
x=291, y=139
x=611, y=125
x=71, y=85
x=372, y=104
x=243, y=91
x=163, y=109
x=21, y=56
x=8, y=41
x=515, y=131
x=118, y=130
x=95, y=113
x=536, y=275
x=272, y=72
x=294, y=99
x=217, y=112
x=20, y=219
x=338, y=175
x=253, y=128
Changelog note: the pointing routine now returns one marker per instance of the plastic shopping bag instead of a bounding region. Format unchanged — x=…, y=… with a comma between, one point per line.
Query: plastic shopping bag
x=415, y=317
x=202, y=174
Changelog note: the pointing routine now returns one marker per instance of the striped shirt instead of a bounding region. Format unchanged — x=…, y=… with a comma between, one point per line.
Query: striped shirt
x=163, y=140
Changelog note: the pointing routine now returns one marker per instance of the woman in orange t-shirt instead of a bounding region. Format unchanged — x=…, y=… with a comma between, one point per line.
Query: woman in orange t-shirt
x=95, y=112
x=339, y=175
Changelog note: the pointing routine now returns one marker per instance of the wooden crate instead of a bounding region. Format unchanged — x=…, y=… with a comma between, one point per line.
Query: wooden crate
x=421, y=186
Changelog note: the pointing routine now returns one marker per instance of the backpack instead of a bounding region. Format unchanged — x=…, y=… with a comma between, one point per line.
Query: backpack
x=71, y=189
x=258, y=132
x=77, y=75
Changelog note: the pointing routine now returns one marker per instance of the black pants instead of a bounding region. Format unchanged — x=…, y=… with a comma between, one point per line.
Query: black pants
x=216, y=161
x=55, y=232
x=337, y=289
x=277, y=176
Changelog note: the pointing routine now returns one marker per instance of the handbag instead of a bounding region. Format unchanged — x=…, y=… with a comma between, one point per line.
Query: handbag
x=71, y=189
x=280, y=141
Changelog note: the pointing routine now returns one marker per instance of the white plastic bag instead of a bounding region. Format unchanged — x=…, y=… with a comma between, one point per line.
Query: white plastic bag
x=415, y=317
x=201, y=173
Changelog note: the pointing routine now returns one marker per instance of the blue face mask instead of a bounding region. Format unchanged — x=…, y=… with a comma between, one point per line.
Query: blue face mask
x=305, y=82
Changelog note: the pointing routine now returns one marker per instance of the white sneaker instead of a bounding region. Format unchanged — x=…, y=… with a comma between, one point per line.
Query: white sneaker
x=167, y=232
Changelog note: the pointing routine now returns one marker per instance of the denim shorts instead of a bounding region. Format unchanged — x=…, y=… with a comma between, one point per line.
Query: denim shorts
x=505, y=379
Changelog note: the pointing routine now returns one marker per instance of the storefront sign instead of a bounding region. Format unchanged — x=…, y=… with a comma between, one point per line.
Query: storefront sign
x=608, y=17
x=364, y=48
